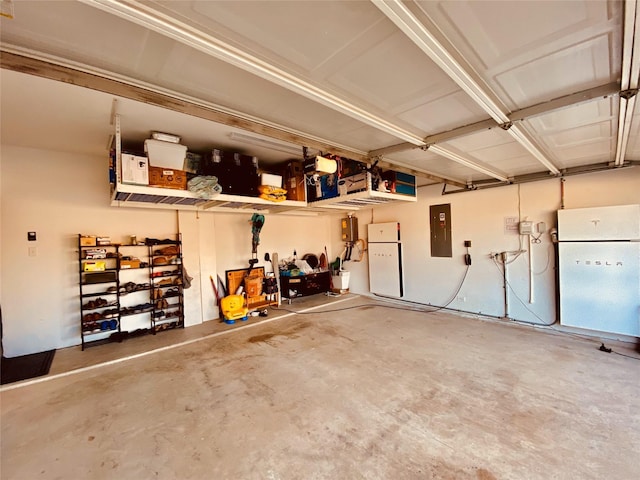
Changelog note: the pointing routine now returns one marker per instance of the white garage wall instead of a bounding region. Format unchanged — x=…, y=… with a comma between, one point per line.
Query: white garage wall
x=479, y=216
x=59, y=195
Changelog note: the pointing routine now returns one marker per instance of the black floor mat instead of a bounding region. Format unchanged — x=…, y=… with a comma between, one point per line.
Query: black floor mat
x=26, y=366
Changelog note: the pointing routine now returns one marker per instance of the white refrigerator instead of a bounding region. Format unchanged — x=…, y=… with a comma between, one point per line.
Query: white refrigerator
x=599, y=268
x=385, y=259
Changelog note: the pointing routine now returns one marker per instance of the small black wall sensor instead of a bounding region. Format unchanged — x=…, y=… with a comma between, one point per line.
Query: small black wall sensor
x=31, y=236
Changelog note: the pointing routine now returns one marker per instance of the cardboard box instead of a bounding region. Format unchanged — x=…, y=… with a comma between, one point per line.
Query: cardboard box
x=129, y=264
x=354, y=183
x=88, y=241
x=294, y=181
x=95, y=266
x=167, y=178
x=135, y=169
x=165, y=154
x=324, y=187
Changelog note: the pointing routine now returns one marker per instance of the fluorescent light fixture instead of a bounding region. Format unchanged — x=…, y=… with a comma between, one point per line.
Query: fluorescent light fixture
x=409, y=24
x=522, y=138
x=466, y=162
x=267, y=143
x=629, y=78
x=146, y=16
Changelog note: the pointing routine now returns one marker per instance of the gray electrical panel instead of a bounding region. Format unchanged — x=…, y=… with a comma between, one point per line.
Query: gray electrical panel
x=349, y=229
x=441, y=230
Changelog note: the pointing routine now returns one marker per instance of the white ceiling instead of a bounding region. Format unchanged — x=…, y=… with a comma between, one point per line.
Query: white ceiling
x=359, y=75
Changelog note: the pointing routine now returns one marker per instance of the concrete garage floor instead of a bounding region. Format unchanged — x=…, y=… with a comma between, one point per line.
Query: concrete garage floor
x=369, y=392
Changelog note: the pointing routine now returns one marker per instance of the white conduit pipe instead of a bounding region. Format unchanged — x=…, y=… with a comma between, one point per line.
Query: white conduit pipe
x=530, y=269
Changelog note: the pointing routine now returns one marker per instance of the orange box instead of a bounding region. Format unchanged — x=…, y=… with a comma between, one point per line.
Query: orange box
x=129, y=264
x=87, y=241
x=167, y=178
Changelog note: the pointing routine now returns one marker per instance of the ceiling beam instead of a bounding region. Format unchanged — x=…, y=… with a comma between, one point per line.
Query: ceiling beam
x=630, y=77
x=52, y=71
x=438, y=137
x=536, y=110
x=464, y=76
x=538, y=176
x=565, y=101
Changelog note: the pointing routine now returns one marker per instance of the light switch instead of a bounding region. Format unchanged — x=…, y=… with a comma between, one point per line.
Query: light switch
x=33, y=251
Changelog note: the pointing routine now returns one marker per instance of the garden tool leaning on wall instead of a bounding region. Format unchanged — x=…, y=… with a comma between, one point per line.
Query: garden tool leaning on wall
x=257, y=221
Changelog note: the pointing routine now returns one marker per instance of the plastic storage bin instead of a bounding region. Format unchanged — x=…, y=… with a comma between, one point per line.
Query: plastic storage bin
x=165, y=154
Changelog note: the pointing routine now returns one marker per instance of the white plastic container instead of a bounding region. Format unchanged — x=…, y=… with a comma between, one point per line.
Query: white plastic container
x=165, y=154
x=341, y=281
x=271, y=180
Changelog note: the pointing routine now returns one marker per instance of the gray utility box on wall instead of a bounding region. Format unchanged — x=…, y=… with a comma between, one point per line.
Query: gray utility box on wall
x=440, y=216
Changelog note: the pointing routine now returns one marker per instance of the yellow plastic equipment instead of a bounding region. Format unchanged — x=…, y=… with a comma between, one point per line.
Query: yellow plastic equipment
x=234, y=307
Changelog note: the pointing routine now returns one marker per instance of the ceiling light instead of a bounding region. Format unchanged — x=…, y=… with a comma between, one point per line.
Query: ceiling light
x=166, y=25
x=267, y=143
x=466, y=162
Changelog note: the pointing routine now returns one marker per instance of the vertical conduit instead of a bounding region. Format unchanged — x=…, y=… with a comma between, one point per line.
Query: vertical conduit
x=530, y=269
x=504, y=256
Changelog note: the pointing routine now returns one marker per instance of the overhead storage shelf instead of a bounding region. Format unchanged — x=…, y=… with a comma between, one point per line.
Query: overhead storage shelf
x=153, y=197
x=142, y=196
x=355, y=201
